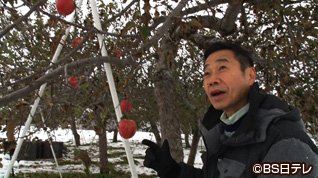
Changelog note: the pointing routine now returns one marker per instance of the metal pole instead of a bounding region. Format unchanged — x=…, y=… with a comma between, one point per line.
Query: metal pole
x=112, y=87
x=37, y=101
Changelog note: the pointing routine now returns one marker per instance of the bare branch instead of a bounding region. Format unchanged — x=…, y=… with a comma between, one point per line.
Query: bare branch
x=201, y=41
x=204, y=6
x=227, y=25
x=192, y=10
x=210, y=22
x=167, y=24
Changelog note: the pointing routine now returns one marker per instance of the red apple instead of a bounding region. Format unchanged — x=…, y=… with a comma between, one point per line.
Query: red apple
x=125, y=106
x=118, y=53
x=76, y=41
x=127, y=128
x=65, y=7
x=72, y=81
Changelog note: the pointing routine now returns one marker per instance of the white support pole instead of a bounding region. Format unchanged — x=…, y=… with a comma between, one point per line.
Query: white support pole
x=37, y=100
x=112, y=86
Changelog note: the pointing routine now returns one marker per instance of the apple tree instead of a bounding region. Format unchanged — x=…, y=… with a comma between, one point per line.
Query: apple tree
x=156, y=49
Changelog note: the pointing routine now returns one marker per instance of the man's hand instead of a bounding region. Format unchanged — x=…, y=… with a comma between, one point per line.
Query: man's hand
x=159, y=159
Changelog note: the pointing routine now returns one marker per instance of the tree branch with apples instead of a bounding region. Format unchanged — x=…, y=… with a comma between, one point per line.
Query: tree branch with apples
x=59, y=71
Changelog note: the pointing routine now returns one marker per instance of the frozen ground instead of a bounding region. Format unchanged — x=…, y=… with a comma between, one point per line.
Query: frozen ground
x=88, y=138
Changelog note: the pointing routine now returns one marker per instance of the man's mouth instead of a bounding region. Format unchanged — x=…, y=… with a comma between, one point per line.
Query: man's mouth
x=217, y=94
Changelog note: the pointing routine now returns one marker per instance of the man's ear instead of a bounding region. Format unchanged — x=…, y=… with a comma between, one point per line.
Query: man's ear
x=252, y=75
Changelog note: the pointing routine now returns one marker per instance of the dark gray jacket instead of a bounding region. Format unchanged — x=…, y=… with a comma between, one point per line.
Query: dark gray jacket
x=271, y=132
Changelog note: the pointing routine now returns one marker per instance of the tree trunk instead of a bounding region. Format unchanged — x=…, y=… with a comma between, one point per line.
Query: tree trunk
x=155, y=131
x=77, y=137
x=186, y=140
x=100, y=130
x=165, y=94
x=115, y=136
x=194, y=144
x=103, y=159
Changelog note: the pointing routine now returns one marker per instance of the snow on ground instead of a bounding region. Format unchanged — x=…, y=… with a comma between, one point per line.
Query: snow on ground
x=88, y=138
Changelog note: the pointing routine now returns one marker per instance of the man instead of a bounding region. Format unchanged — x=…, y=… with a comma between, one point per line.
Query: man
x=246, y=134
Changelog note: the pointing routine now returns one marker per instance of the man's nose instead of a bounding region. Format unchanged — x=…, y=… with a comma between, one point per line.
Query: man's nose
x=214, y=80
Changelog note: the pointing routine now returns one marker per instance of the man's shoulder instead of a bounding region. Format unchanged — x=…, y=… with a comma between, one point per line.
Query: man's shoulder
x=284, y=129
x=275, y=125
x=271, y=101
x=291, y=143
x=293, y=152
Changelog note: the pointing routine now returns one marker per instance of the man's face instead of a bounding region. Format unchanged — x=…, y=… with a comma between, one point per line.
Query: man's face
x=224, y=82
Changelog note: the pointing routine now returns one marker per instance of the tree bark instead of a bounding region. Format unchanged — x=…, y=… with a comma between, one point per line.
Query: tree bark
x=186, y=140
x=115, y=136
x=100, y=130
x=103, y=159
x=75, y=133
x=155, y=131
x=166, y=98
x=194, y=144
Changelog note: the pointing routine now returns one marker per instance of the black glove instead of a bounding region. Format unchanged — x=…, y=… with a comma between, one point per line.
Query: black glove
x=160, y=159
